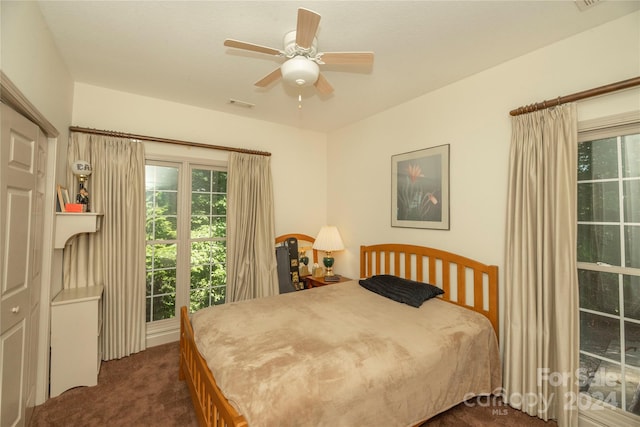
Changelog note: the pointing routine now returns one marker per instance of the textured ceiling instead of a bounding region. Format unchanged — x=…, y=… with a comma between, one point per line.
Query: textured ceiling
x=174, y=50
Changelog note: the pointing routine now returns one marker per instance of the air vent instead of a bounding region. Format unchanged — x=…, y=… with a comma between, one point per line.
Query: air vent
x=586, y=4
x=241, y=103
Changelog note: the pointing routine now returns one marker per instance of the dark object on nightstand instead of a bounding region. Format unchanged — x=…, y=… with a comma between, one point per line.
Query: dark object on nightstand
x=332, y=279
x=284, y=273
x=292, y=245
x=314, y=282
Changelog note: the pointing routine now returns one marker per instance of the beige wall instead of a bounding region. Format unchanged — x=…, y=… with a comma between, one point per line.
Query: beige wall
x=31, y=60
x=473, y=117
x=298, y=160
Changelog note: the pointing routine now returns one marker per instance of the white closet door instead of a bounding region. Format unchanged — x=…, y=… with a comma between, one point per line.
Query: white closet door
x=22, y=162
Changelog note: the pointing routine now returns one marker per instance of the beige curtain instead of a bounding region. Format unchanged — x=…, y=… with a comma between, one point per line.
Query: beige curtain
x=541, y=289
x=251, y=261
x=115, y=256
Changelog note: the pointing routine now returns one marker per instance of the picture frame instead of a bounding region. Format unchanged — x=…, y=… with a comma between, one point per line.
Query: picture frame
x=65, y=196
x=420, y=188
x=62, y=199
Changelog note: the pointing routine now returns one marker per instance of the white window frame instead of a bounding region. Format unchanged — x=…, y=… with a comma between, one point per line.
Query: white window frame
x=168, y=330
x=593, y=412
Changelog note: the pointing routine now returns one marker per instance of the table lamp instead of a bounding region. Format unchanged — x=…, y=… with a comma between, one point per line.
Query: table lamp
x=82, y=170
x=328, y=240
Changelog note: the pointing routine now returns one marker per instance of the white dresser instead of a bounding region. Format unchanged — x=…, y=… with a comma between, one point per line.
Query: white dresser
x=76, y=345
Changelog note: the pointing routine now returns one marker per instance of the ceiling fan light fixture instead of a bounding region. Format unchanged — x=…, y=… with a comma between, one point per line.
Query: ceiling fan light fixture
x=300, y=71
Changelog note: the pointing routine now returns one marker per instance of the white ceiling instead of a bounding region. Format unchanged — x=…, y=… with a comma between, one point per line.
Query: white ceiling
x=174, y=50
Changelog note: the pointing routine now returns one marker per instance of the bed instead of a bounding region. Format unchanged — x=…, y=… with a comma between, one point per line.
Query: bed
x=342, y=355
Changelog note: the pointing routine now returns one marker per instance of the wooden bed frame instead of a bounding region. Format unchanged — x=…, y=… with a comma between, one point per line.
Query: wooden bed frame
x=403, y=260
x=450, y=271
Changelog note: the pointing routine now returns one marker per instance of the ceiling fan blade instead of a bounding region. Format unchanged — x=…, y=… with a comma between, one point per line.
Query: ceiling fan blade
x=323, y=85
x=269, y=78
x=307, y=27
x=347, y=58
x=252, y=47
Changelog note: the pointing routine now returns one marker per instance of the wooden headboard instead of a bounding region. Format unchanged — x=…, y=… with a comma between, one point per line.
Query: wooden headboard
x=446, y=270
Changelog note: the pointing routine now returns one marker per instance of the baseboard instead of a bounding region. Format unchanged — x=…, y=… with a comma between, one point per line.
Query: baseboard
x=163, y=332
x=584, y=421
x=598, y=415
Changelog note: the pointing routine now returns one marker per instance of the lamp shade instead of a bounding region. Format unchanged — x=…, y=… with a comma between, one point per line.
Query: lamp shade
x=81, y=168
x=328, y=239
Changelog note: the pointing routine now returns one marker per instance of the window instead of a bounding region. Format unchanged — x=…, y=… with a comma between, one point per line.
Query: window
x=186, y=237
x=208, y=238
x=161, y=184
x=609, y=266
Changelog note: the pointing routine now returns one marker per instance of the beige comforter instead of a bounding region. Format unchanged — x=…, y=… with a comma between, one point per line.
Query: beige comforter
x=343, y=356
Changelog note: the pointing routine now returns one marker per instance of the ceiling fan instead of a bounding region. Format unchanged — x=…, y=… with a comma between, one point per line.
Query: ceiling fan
x=303, y=59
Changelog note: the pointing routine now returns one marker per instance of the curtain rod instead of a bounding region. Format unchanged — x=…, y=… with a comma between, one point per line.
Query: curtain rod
x=613, y=87
x=165, y=140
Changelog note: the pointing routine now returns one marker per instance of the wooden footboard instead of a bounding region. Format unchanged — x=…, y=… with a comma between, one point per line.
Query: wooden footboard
x=212, y=408
x=447, y=270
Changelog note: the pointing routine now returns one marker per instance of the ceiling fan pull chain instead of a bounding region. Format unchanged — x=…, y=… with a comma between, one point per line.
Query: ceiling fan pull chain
x=299, y=101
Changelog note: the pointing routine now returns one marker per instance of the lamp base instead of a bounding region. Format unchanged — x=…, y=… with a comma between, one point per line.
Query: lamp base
x=328, y=265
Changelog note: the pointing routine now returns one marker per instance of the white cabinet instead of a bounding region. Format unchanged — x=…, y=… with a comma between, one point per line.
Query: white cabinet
x=76, y=347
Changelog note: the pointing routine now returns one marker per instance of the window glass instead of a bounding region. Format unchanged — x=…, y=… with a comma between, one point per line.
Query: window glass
x=601, y=379
x=631, y=286
x=598, y=159
x=632, y=245
x=632, y=336
x=208, y=231
x=631, y=196
x=161, y=281
x=600, y=335
x=598, y=201
x=599, y=243
x=631, y=155
x=599, y=291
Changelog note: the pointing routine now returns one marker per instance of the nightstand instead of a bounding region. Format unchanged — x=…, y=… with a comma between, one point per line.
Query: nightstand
x=314, y=282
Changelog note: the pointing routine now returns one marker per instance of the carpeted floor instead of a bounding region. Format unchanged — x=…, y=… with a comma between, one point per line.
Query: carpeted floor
x=144, y=390
x=140, y=390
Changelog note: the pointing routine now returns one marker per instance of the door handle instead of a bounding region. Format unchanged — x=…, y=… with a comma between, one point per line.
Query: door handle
x=15, y=309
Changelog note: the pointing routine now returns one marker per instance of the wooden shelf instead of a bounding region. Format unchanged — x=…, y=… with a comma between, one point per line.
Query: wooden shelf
x=71, y=223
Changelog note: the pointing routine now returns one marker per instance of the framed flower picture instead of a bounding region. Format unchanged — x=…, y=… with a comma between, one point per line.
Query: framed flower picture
x=420, y=188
